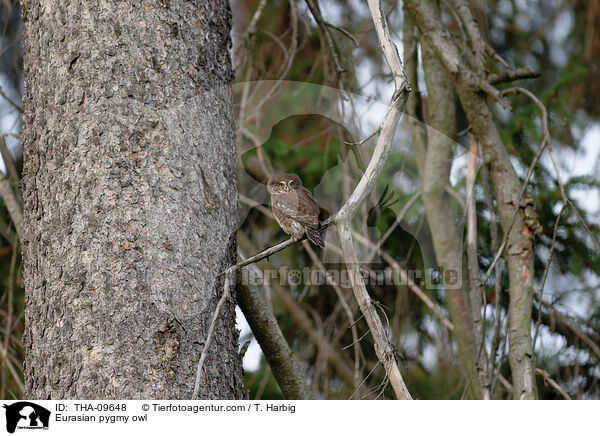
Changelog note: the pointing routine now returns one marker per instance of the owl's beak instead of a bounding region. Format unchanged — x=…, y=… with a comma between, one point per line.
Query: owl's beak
x=287, y=188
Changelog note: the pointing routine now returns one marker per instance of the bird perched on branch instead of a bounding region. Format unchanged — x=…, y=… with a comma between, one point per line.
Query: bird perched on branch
x=294, y=207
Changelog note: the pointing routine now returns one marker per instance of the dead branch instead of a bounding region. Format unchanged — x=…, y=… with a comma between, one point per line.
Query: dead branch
x=15, y=209
x=545, y=142
x=557, y=322
x=395, y=224
x=316, y=13
x=280, y=357
x=546, y=270
x=345, y=306
x=10, y=101
x=211, y=333
x=511, y=75
x=406, y=279
x=343, y=218
x=552, y=383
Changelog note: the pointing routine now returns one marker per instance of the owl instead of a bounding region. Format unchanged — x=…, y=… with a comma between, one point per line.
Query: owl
x=294, y=207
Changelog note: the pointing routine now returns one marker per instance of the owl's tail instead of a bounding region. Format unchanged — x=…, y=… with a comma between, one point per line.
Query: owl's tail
x=315, y=237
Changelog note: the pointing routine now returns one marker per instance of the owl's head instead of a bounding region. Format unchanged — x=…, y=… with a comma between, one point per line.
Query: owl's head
x=283, y=182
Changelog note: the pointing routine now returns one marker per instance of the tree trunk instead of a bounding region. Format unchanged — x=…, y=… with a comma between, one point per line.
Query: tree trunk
x=130, y=198
x=434, y=150
x=519, y=248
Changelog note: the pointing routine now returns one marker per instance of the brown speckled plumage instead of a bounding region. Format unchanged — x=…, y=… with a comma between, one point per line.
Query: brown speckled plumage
x=294, y=207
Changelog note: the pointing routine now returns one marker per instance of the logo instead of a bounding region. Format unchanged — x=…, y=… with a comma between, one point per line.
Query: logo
x=26, y=415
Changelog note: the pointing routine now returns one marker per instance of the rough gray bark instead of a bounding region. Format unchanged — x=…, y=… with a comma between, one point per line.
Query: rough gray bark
x=130, y=198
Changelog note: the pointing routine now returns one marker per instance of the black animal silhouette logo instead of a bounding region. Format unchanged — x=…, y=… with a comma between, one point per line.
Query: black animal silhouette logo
x=26, y=415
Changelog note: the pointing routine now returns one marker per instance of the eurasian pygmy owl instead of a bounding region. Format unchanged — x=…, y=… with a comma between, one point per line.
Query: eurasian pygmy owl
x=294, y=207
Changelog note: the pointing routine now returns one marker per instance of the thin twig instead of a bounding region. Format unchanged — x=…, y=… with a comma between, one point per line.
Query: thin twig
x=552, y=245
x=395, y=224
x=285, y=68
x=357, y=340
x=362, y=141
x=316, y=13
x=552, y=383
x=345, y=306
x=9, y=100
x=509, y=76
x=210, y=335
x=11, y=170
x=344, y=31
x=343, y=218
x=270, y=251
x=404, y=277
x=364, y=380
x=545, y=142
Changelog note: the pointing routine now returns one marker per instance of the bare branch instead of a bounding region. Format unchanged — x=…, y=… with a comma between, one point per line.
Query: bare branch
x=345, y=306
x=552, y=383
x=510, y=75
x=559, y=323
x=552, y=245
x=282, y=360
x=12, y=203
x=406, y=279
x=395, y=224
x=390, y=51
x=476, y=290
x=211, y=333
x=383, y=348
x=343, y=218
x=344, y=31
x=8, y=99
x=362, y=141
x=266, y=253
x=316, y=13
x=545, y=142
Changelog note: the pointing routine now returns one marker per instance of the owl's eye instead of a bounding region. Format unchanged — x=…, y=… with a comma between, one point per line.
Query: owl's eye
x=281, y=185
x=292, y=184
